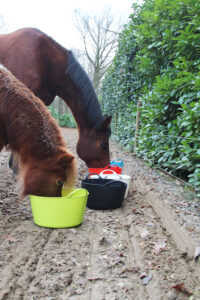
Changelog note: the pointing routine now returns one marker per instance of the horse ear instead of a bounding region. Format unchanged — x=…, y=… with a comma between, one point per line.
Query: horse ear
x=106, y=122
x=65, y=159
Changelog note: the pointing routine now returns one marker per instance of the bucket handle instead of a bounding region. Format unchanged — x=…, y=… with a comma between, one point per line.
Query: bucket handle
x=88, y=175
x=111, y=166
x=70, y=194
x=118, y=183
x=110, y=170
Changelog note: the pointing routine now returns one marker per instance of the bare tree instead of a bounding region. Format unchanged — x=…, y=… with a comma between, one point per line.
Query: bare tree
x=60, y=106
x=100, y=36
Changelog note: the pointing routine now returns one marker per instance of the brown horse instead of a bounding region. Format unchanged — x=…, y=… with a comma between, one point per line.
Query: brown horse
x=27, y=127
x=48, y=70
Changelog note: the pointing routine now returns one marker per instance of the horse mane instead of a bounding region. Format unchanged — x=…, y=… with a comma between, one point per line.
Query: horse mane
x=90, y=104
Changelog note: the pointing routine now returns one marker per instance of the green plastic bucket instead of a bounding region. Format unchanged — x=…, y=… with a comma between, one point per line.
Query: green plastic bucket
x=60, y=212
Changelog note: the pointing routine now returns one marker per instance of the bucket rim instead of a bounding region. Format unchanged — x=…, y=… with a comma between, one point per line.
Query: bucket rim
x=101, y=185
x=63, y=197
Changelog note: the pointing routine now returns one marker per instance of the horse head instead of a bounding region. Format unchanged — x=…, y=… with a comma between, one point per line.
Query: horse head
x=51, y=175
x=93, y=144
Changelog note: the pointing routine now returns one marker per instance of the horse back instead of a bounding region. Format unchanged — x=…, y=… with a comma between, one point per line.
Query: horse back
x=32, y=56
x=25, y=119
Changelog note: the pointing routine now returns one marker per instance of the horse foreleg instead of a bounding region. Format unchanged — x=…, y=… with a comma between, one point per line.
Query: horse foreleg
x=12, y=160
x=13, y=164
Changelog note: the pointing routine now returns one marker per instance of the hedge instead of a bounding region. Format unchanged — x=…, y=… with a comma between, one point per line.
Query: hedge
x=158, y=62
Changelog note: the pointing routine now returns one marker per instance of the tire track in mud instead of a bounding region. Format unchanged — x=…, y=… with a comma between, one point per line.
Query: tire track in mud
x=182, y=239
x=175, y=263
x=166, y=264
x=62, y=268
x=105, y=258
x=152, y=290
x=178, y=237
x=21, y=252
x=111, y=273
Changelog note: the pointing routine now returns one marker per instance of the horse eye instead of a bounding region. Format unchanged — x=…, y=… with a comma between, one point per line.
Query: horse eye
x=59, y=182
x=104, y=145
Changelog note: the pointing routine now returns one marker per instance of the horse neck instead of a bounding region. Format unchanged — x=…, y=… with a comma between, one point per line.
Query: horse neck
x=79, y=94
x=85, y=117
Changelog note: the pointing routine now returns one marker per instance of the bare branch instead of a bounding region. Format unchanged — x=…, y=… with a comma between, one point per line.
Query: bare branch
x=100, y=36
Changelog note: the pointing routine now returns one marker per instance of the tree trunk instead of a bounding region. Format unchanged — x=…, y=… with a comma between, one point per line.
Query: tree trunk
x=60, y=106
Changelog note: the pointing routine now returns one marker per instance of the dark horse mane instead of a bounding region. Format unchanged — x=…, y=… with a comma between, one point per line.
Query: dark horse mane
x=82, y=82
x=90, y=104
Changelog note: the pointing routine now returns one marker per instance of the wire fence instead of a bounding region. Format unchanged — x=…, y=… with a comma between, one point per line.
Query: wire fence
x=180, y=137
x=196, y=189
x=164, y=135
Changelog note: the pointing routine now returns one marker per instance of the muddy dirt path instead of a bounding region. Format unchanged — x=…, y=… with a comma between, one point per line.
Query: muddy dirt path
x=137, y=252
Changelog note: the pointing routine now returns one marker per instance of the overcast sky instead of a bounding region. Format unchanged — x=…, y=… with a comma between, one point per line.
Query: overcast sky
x=55, y=17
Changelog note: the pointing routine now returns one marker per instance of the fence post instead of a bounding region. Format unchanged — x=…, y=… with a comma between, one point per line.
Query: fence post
x=116, y=121
x=137, y=123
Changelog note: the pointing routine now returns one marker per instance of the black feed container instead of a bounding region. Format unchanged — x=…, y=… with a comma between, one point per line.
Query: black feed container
x=104, y=193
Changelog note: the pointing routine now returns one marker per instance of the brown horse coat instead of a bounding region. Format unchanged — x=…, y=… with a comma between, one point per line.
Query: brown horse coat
x=49, y=69
x=27, y=127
